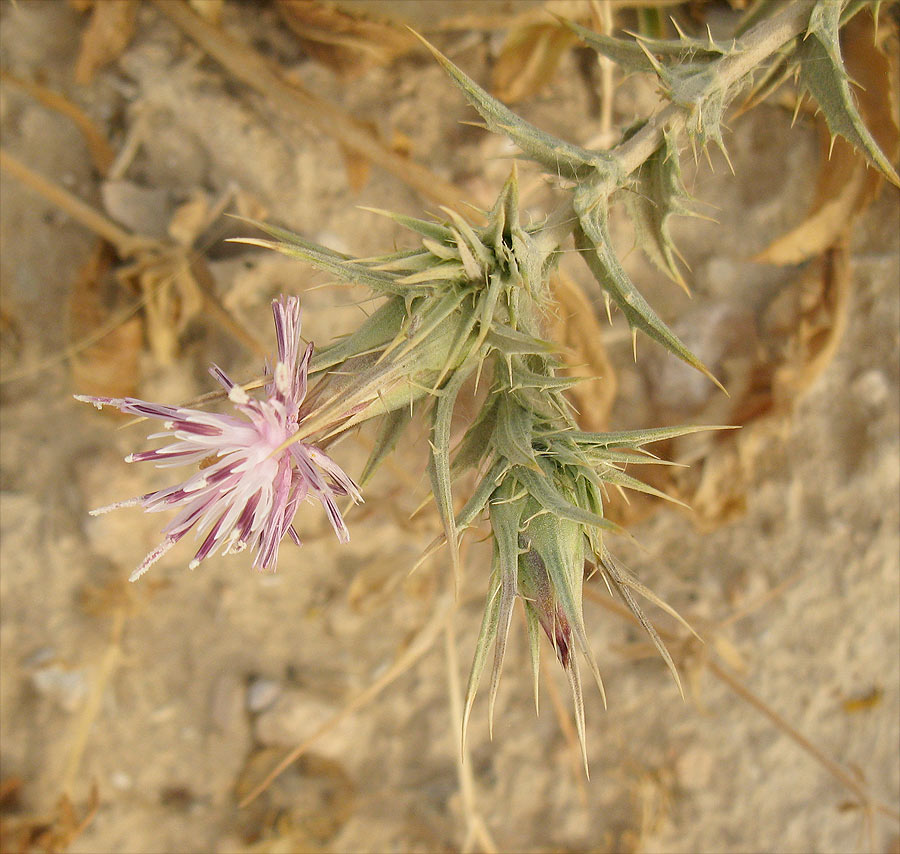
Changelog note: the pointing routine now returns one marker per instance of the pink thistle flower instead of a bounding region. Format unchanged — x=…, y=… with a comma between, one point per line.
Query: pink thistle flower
x=246, y=492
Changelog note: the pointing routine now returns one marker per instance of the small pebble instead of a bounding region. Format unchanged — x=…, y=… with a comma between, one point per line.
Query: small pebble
x=41, y=656
x=695, y=768
x=872, y=387
x=66, y=688
x=294, y=717
x=262, y=693
x=121, y=781
x=226, y=702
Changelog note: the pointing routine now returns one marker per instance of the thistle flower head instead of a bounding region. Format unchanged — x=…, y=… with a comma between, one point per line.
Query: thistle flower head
x=247, y=489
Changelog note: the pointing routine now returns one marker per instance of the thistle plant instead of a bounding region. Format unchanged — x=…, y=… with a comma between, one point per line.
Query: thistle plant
x=469, y=308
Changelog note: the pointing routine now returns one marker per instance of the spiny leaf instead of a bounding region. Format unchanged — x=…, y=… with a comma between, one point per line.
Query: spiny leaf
x=658, y=195
x=560, y=545
x=540, y=487
x=638, y=55
x=477, y=440
x=523, y=378
x=480, y=497
x=593, y=240
x=433, y=315
x=434, y=230
x=504, y=216
x=464, y=234
x=375, y=332
x=578, y=702
x=486, y=635
x=512, y=435
x=392, y=426
x=846, y=185
x=621, y=586
x=627, y=54
x=446, y=271
x=441, y=250
x=409, y=261
x=534, y=648
x=619, y=478
x=701, y=91
x=440, y=463
x=612, y=455
x=637, y=438
x=506, y=513
x=487, y=306
x=627, y=578
x=823, y=75
x=554, y=154
x=320, y=257
x=369, y=387
x=510, y=341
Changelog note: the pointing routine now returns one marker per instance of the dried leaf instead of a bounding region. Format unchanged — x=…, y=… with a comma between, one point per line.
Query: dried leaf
x=818, y=328
x=107, y=34
x=109, y=365
x=528, y=60
x=175, y=290
x=864, y=702
x=209, y=10
x=56, y=832
x=802, y=330
x=172, y=299
x=846, y=184
x=190, y=219
x=850, y=183
x=347, y=43
x=577, y=328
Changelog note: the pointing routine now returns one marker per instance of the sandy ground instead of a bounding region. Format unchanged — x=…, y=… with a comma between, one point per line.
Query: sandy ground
x=172, y=694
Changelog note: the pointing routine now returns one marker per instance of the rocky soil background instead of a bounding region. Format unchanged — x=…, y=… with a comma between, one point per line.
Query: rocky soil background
x=134, y=718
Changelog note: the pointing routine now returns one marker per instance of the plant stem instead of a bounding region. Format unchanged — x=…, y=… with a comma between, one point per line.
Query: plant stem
x=126, y=244
x=757, y=45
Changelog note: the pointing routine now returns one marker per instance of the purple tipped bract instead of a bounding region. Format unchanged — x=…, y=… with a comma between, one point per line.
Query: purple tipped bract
x=245, y=492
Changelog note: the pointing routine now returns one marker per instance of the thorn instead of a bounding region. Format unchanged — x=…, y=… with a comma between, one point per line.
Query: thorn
x=470, y=701
x=608, y=301
x=681, y=257
x=654, y=62
x=727, y=158
x=634, y=343
x=831, y=145
x=797, y=109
